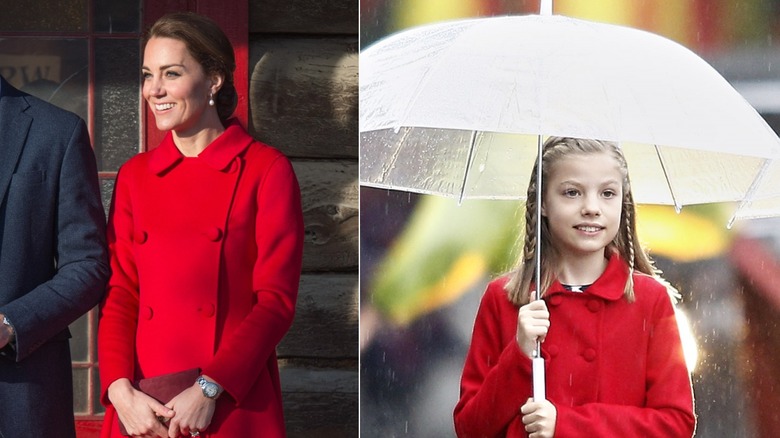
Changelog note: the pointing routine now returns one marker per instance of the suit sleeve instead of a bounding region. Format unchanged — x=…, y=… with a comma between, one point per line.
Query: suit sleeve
x=119, y=310
x=496, y=377
x=276, y=274
x=668, y=410
x=80, y=250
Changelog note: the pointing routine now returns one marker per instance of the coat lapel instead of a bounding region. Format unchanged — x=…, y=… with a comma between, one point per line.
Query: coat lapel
x=14, y=125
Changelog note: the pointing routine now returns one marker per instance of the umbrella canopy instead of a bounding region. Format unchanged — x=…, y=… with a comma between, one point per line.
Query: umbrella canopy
x=456, y=109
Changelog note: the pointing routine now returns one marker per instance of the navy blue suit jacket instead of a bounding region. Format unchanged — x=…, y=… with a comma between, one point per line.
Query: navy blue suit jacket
x=53, y=258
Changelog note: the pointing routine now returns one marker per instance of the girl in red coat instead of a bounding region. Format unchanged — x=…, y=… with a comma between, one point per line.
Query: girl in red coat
x=205, y=234
x=612, y=350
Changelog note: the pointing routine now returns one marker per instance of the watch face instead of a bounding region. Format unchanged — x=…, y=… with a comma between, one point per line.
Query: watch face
x=210, y=389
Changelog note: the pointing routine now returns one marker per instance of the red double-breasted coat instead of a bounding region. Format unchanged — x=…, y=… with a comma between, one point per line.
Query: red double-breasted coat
x=206, y=259
x=614, y=368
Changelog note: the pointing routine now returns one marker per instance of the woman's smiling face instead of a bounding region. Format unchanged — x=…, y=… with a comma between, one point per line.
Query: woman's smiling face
x=175, y=86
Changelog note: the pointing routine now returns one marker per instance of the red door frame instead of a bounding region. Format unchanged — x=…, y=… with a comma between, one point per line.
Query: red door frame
x=232, y=17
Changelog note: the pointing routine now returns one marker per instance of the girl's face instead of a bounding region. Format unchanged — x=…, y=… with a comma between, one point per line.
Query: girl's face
x=582, y=202
x=175, y=86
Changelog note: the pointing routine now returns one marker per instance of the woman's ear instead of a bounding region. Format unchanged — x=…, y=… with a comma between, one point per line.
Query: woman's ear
x=216, y=83
x=544, y=210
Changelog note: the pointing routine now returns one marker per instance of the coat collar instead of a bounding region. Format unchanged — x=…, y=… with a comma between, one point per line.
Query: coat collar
x=219, y=154
x=609, y=286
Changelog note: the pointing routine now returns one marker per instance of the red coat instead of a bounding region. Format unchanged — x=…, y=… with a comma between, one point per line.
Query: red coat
x=614, y=368
x=206, y=260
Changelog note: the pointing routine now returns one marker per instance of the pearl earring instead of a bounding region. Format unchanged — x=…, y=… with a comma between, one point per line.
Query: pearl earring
x=211, y=99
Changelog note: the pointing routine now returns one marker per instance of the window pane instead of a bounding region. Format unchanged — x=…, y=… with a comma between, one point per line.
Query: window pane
x=40, y=15
x=97, y=408
x=117, y=79
x=79, y=344
x=106, y=192
x=55, y=70
x=80, y=390
x=117, y=16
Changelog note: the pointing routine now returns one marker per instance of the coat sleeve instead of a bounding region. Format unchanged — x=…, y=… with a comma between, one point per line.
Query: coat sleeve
x=276, y=274
x=119, y=310
x=80, y=250
x=668, y=411
x=496, y=378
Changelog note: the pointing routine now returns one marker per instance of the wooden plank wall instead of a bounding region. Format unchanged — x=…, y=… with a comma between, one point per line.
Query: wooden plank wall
x=303, y=87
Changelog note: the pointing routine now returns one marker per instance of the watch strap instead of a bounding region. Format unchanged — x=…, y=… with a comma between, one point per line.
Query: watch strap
x=210, y=389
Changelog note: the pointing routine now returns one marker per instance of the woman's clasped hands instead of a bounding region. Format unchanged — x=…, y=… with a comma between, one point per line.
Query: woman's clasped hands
x=185, y=415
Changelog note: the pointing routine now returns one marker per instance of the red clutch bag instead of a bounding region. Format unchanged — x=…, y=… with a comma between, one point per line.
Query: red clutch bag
x=165, y=387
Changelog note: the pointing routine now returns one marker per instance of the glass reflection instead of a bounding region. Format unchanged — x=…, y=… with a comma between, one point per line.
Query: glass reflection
x=55, y=70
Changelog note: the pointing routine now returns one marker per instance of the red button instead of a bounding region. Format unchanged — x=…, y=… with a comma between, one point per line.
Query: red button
x=556, y=300
x=214, y=234
x=595, y=305
x=553, y=350
x=145, y=312
x=207, y=310
x=589, y=354
x=140, y=237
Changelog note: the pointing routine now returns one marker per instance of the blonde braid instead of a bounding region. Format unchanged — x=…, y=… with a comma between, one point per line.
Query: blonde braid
x=521, y=280
x=628, y=210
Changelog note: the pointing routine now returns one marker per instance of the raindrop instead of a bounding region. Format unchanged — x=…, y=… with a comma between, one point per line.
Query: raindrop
x=396, y=129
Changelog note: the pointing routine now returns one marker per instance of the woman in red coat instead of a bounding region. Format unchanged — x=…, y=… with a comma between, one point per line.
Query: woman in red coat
x=206, y=236
x=612, y=350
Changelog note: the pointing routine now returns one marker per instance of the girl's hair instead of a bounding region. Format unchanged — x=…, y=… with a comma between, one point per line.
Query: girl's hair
x=209, y=46
x=625, y=242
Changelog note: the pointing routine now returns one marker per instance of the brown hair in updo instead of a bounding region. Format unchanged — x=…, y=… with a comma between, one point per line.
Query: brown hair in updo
x=210, y=47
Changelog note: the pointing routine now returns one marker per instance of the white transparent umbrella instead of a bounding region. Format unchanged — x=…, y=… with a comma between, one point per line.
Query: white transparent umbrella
x=460, y=109
x=455, y=108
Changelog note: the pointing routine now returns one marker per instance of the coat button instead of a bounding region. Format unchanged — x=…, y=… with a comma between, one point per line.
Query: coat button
x=556, y=300
x=589, y=354
x=594, y=305
x=206, y=310
x=553, y=350
x=214, y=234
x=140, y=237
x=145, y=312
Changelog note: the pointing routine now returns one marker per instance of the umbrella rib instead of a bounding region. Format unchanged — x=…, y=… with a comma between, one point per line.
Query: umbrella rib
x=751, y=191
x=677, y=205
x=391, y=165
x=472, y=145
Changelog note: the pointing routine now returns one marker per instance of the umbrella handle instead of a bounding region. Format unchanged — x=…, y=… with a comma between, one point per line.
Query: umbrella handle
x=538, y=360
x=539, y=384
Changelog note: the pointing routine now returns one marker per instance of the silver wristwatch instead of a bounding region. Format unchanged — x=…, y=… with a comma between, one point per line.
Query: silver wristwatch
x=210, y=389
x=8, y=323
